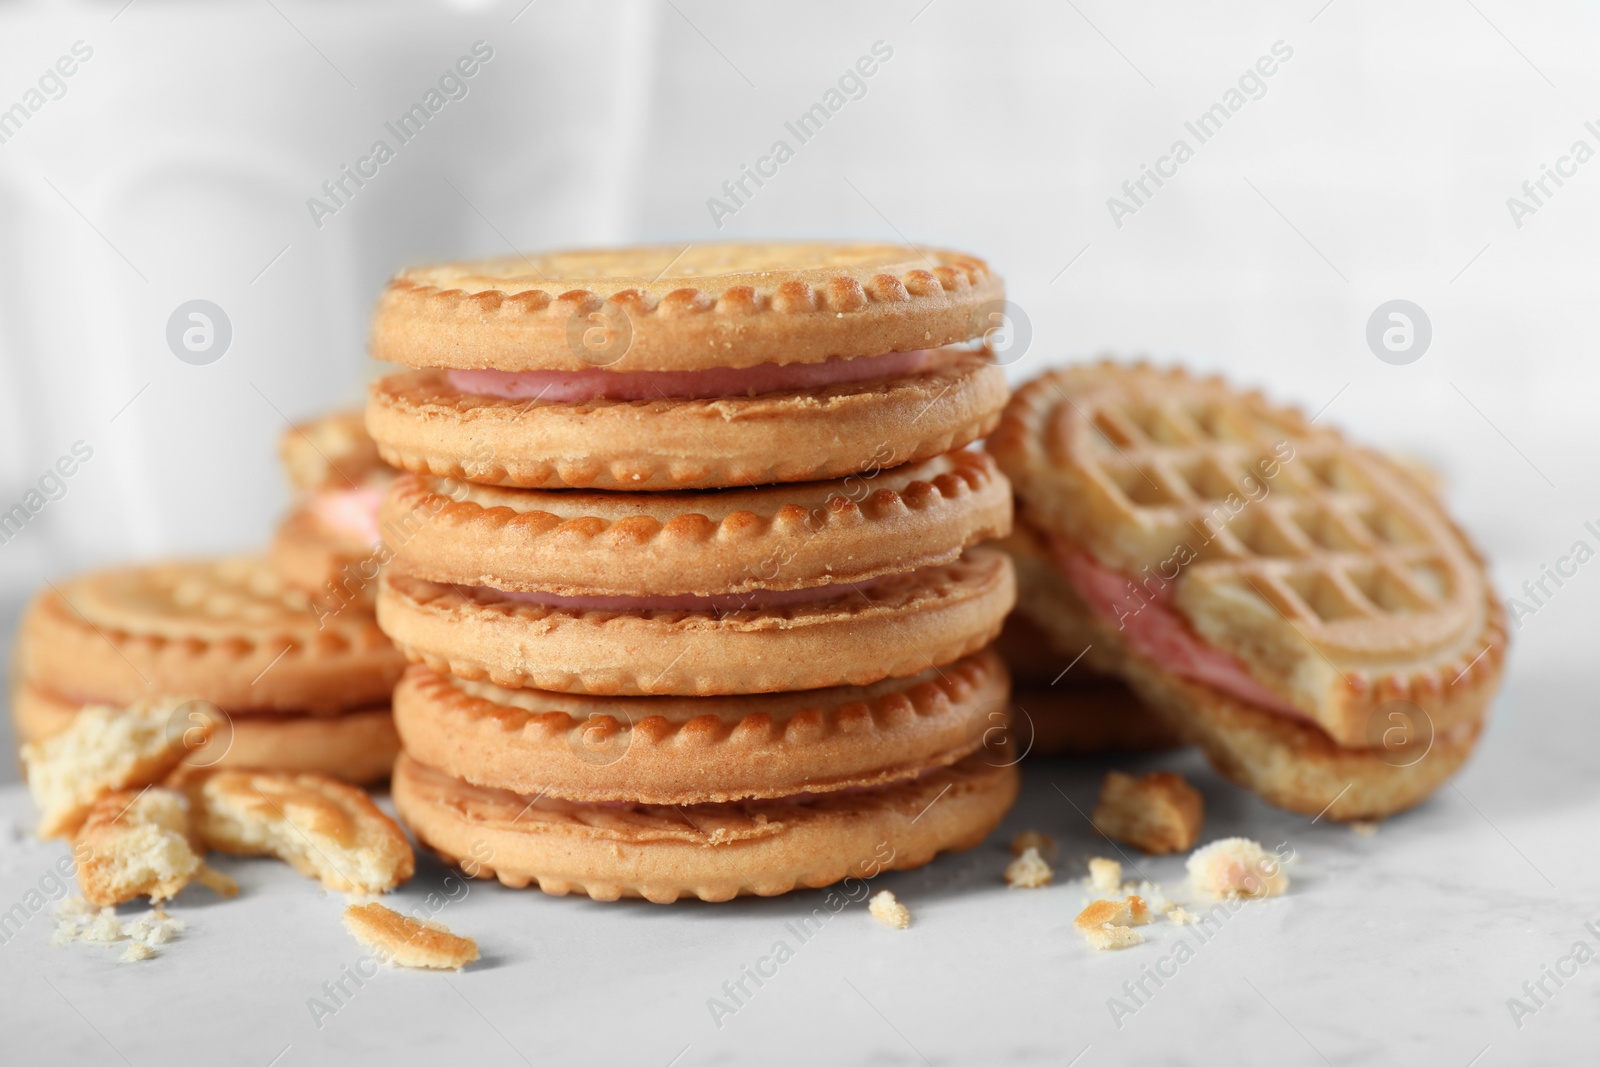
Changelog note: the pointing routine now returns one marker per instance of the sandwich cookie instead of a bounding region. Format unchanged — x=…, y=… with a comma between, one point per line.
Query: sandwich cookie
x=329, y=545
x=1297, y=606
x=710, y=851
x=227, y=631
x=358, y=745
x=702, y=750
x=759, y=590
x=706, y=366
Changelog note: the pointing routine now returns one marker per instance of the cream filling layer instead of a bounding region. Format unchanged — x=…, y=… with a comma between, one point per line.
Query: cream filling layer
x=576, y=387
x=754, y=600
x=1153, y=628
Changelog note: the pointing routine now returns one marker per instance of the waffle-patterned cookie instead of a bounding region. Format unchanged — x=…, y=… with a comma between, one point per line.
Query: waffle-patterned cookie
x=695, y=750
x=1220, y=544
x=710, y=851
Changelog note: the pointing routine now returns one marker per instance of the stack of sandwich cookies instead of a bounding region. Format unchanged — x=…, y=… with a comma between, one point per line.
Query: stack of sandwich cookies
x=329, y=545
x=770, y=671
x=298, y=690
x=1298, y=607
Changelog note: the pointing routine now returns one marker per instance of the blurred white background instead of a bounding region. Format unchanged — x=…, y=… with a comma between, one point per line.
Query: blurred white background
x=1375, y=163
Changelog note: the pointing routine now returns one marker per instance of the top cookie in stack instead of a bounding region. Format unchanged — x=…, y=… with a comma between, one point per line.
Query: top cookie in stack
x=696, y=368
x=798, y=415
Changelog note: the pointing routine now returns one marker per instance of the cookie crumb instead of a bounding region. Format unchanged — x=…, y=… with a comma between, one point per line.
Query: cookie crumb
x=1106, y=938
x=136, y=951
x=1105, y=875
x=1029, y=870
x=1044, y=844
x=889, y=911
x=1108, y=924
x=1364, y=829
x=1236, y=867
x=1180, y=917
x=1158, y=813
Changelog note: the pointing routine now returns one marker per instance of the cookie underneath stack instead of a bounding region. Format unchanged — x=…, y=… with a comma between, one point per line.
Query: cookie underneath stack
x=300, y=692
x=764, y=667
x=329, y=545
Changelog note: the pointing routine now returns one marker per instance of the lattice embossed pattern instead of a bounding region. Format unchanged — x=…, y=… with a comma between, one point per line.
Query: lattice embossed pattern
x=1168, y=478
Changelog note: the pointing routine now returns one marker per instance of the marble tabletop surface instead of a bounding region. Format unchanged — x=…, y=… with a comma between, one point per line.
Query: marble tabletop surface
x=1411, y=945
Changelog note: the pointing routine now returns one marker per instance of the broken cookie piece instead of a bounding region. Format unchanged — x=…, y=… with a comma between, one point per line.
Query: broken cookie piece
x=136, y=845
x=323, y=828
x=408, y=942
x=104, y=750
x=1157, y=813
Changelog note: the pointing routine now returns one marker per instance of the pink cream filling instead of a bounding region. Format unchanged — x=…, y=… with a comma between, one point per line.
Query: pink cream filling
x=755, y=599
x=576, y=387
x=1154, y=629
x=352, y=512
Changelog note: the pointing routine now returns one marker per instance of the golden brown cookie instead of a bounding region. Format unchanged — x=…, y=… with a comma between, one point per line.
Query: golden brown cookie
x=893, y=627
x=228, y=630
x=426, y=423
x=706, y=366
x=323, y=828
x=356, y=745
x=695, y=307
x=695, y=750
x=332, y=451
x=137, y=843
x=406, y=942
x=710, y=851
x=330, y=545
x=626, y=544
x=1296, y=605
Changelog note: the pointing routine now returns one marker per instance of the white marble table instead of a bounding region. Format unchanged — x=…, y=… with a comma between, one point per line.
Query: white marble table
x=1401, y=947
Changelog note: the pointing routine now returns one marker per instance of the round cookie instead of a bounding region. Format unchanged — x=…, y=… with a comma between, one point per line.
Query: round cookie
x=698, y=307
x=711, y=851
x=357, y=746
x=227, y=630
x=329, y=452
x=702, y=367
x=695, y=750
x=894, y=627
x=424, y=423
x=775, y=537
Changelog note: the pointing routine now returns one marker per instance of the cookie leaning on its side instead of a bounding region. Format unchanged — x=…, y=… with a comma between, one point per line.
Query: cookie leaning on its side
x=1297, y=606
